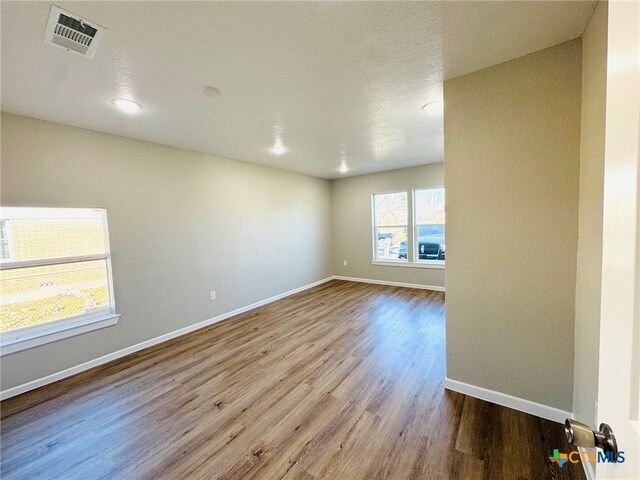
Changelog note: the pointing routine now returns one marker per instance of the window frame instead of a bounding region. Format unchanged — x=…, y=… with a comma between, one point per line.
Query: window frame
x=416, y=228
x=374, y=232
x=32, y=336
x=412, y=234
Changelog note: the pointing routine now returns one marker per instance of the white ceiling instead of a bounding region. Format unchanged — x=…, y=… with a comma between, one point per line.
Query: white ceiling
x=335, y=81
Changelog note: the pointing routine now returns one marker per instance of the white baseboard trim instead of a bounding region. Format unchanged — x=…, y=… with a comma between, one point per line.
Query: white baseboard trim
x=393, y=284
x=589, y=468
x=54, y=377
x=527, y=406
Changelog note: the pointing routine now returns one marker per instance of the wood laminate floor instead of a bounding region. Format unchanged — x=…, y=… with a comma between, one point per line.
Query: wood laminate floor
x=343, y=381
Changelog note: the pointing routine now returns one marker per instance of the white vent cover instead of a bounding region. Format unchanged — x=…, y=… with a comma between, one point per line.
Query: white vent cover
x=68, y=31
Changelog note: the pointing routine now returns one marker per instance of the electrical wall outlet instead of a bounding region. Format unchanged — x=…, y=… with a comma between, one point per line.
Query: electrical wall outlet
x=212, y=295
x=344, y=262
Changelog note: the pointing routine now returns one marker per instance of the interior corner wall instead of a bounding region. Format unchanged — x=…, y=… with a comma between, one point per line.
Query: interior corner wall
x=589, y=268
x=351, y=224
x=181, y=224
x=512, y=151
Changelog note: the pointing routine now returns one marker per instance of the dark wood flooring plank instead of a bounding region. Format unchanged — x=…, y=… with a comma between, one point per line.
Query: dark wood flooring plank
x=474, y=428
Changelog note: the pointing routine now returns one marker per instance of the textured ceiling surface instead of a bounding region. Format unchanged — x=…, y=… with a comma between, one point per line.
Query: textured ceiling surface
x=333, y=82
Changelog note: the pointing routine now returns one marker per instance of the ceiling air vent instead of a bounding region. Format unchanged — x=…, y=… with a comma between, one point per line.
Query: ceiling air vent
x=68, y=31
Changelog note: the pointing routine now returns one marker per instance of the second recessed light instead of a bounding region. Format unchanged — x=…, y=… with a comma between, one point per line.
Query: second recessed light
x=127, y=106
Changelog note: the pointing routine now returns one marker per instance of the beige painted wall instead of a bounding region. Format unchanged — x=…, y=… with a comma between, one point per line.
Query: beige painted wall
x=352, y=229
x=512, y=151
x=181, y=224
x=589, y=271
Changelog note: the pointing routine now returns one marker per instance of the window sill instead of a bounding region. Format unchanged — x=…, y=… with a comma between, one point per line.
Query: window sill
x=424, y=264
x=29, y=340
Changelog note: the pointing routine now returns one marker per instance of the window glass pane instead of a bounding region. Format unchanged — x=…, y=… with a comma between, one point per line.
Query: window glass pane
x=431, y=244
x=430, y=219
x=35, y=295
x=429, y=206
x=391, y=243
x=33, y=239
x=36, y=233
x=391, y=209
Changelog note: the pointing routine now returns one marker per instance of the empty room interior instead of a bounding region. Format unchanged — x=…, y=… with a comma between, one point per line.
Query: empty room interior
x=224, y=252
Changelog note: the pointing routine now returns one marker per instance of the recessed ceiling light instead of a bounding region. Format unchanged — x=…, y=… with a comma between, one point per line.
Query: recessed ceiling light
x=344, y=168
x=431, y=106
x=128, y=106
x=210, y=91
x=279, y=149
